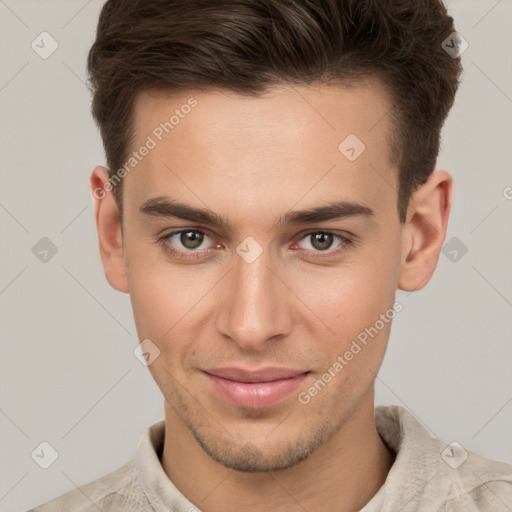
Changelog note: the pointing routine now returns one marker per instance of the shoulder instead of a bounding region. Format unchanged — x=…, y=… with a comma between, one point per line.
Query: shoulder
x=478, y=482
x=108, y=493
x=432, y=474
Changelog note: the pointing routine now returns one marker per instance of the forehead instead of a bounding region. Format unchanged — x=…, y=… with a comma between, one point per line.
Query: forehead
x=283, y=145
x=321, y=108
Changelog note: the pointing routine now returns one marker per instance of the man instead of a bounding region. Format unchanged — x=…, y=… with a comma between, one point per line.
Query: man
x=270, y=185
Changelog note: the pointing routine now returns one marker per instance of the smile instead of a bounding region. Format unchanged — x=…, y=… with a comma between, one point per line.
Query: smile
x=255, y=390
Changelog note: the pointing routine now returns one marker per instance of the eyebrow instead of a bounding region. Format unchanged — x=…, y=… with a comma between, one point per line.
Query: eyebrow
x=167, y=207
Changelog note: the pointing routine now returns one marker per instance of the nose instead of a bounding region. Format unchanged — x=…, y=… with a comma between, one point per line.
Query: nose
x=255, y=307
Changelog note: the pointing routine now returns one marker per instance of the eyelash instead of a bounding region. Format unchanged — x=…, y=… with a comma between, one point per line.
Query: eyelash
x=191, y=255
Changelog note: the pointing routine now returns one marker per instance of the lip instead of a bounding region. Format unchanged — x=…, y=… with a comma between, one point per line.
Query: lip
x=255, y=389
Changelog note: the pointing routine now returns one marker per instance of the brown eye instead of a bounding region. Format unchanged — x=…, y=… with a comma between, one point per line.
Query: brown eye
x=188, y=244
x=191, y=239
x=323, y=244
x=321, y=241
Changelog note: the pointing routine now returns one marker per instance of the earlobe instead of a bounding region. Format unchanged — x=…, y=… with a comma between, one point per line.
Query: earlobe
x=424, y=231
x=108, y=226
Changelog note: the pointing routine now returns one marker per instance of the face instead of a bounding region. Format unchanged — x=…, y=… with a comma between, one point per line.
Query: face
x=252, y=302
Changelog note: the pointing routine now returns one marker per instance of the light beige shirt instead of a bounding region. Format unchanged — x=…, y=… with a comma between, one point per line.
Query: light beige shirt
x=427, y=475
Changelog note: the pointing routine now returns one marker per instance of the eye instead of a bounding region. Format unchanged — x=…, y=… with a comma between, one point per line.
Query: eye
x=186, y=243
x=322, y=242
x=190, y=239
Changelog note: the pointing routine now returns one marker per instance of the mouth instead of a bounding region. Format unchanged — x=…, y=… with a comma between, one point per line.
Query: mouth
x=256, y=389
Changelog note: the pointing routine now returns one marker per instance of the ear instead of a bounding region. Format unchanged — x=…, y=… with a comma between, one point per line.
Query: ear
x=424, y=231
x=108, y=225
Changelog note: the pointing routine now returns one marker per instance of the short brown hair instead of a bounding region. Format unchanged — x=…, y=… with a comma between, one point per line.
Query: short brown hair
x=247, y=46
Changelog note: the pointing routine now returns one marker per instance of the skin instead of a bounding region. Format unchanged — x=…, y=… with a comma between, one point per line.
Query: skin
x=252, y=160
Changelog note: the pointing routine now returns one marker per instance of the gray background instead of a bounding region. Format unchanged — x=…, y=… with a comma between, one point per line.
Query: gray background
x=68, y=374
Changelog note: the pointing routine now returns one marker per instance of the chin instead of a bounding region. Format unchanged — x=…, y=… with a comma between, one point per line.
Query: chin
x=247, y=457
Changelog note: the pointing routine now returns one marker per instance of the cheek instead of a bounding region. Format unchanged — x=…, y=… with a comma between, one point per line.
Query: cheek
x=159, y=299
x=166, y=299
x=351, y=300
x=152, y=298
x=163, y=303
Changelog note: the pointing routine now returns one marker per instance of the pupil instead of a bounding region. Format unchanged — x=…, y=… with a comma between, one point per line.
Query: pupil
x=191, y=239
x=322, y=241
